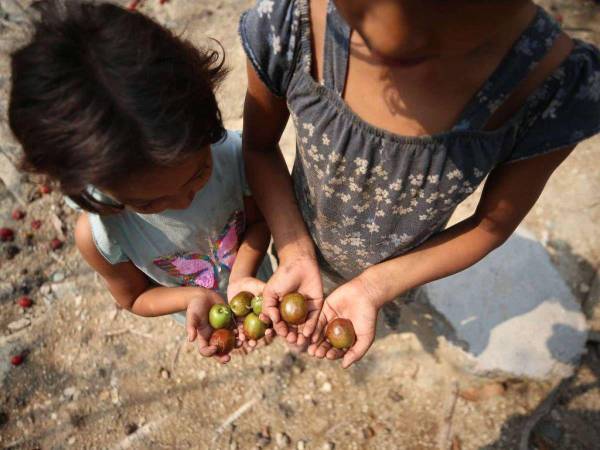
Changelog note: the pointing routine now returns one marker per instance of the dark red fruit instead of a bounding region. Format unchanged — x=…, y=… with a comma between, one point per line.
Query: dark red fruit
x=25, y=302
x=16, y=360
x=45, y=189
x=36, y=224
x=55, y=244
x=133, y=5
x=293, y=308
x=340, y=333
x=223, y=339
x=6, y=234
x=17, y=214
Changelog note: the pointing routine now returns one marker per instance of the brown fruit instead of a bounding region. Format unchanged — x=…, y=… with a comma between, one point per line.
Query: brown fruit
x=293, y=308
x=340, y=333
x=240, y=304
x=254, y=328
x=223, y=339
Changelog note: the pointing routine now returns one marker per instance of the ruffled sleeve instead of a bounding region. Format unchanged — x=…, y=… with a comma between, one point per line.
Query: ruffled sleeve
x=565, y=109
x=107, y=247
x=269, y=34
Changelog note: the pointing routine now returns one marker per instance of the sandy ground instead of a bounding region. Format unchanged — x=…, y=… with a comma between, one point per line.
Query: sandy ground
x=95, y=377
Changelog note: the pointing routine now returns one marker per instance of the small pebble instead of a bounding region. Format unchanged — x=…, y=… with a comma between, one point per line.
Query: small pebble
x=584, y=288
x=18, y=325
x=164, y=373
x=368, y=432
x=130, y=428
x=282, y=440
x=57, y=277
x=301, y=445
x=71, y=440
x=326, y=387
x=328, y=446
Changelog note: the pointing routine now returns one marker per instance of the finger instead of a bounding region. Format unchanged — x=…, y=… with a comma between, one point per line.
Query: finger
x=334, y=353
x=191, y=332
x=264, y=318
x=252, y=343
x=223, y=359
x=301, y=340
x=357, y=351
x=269, y=333
x=321, y=324
x=271, y=304
x=291, y=337
x=281, y=328
x=322, y=349
x=208, y=350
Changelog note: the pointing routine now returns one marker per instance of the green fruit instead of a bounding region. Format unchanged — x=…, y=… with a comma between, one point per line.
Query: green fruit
x=220, y=316
x=254, y=328
x=240, y=303
x=293, y=308
x=340, y=333
x=223, y=339
x=257, y=304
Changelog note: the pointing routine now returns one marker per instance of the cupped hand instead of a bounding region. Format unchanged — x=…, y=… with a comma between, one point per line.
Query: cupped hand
x=353, y=301
x=197, y=326
x=296, y=273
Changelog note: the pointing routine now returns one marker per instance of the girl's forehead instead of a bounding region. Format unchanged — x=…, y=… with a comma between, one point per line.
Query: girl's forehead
x=154, y=182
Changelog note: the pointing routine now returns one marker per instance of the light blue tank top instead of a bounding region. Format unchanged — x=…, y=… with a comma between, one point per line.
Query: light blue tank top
x=192, y=247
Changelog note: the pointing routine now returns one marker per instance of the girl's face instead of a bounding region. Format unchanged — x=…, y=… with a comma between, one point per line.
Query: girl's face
x=157, y=189
x=406, y=32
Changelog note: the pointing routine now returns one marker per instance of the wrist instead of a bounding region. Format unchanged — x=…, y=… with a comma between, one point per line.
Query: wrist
x=375, y=287
x=301, y=247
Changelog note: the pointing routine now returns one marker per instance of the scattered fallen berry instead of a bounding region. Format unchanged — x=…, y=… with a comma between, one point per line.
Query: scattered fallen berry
x=36, y=224
x=25, y=302
x=133, y=5
x=16, y=360
x=45, y=189
x=55, y=244
x=6, y=234
x=18, y=214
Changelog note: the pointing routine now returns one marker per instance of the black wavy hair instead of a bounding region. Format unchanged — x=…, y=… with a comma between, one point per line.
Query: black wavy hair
x=101, y=91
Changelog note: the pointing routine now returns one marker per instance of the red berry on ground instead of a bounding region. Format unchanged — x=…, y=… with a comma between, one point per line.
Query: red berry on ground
x=36, y=224
x=133, y=5
x=55, y=244
x=45, y=189
x=16, y=360
x=25, y=302
x=18, y=214
x=6, y=234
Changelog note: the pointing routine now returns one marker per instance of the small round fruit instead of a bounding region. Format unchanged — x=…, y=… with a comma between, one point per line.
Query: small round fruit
x=25, y=302
x=6, y=234
x=45, y=189
x=340, y=333
x=220, y=316
x=36, y=224
x=223, y=339
x=56, y=244
x=240, y=303
x=16, y=360
x=17, y=214
x=254, y=328
x=293, y=308
x=257, y=304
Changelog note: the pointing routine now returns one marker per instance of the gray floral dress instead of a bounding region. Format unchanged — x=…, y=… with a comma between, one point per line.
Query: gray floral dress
x=368, y=195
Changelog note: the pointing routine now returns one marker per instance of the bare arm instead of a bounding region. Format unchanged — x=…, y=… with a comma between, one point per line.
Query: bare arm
x=131, y=289
x=265, y=116
x=509, y=193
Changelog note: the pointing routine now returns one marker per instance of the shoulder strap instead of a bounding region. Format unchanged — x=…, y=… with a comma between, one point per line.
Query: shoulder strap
x=336, y=50
x=531, y=47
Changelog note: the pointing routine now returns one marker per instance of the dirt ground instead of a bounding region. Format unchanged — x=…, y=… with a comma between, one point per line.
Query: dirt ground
x=95, y=377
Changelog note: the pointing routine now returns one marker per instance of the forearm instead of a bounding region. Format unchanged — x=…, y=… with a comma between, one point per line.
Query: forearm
x=251, y=252
x=160, y=301
x=271, y=185
x=448, y=252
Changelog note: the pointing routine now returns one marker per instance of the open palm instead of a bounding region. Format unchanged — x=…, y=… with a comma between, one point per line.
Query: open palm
x=349, y=301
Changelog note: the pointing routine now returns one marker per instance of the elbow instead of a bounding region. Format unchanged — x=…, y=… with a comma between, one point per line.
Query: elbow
x=496, y=232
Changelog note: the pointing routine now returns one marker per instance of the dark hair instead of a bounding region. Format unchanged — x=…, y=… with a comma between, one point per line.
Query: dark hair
x=101, y=91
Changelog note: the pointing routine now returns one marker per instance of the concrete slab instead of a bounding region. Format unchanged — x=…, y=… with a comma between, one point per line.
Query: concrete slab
x=512, y=314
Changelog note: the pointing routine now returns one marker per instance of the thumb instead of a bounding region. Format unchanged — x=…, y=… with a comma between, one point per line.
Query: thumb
x=358, y=350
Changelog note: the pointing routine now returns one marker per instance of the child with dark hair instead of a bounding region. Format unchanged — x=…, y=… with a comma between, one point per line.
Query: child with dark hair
x=122, y=115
